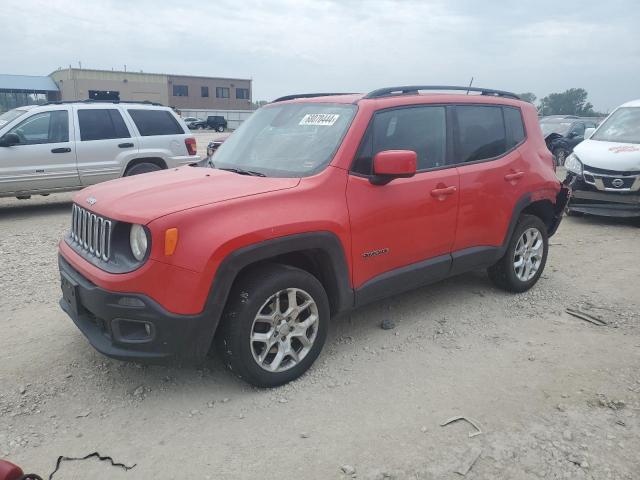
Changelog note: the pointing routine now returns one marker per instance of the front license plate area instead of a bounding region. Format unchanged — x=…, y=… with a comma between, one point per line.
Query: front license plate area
x=70, y=293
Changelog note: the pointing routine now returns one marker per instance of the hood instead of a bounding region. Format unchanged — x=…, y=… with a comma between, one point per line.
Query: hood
x=621, y=157
x=143, y=198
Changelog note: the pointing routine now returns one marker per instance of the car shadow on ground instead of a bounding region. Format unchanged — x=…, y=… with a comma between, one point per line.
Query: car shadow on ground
x=211, y=377
x=593, y=220
x=18, y=210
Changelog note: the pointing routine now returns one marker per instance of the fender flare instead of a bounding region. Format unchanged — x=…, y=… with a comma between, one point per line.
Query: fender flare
x=522, y=203
x=336, y=268
x=527, y=199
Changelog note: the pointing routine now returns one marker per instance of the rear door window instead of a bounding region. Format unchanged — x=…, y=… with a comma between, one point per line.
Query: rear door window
x=420, y=129
x=155, y=122
x=480, y=133
x=45, y=127
x=101, y=124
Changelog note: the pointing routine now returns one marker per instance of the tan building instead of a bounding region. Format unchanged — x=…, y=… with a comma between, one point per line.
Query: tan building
x=179, y=91
x=186, y=92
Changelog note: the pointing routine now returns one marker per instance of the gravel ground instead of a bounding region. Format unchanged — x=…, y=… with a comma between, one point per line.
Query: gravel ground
x=555, y=397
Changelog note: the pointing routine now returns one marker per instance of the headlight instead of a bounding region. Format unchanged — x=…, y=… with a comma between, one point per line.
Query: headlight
x=139, y=242
x=573, y=164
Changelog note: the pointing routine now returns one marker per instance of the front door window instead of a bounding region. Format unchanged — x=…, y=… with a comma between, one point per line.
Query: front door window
x=46, y=127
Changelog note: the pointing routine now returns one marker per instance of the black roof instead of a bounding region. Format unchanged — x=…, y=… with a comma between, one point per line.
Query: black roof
x=415, y=89
x=307, y=95
x=408, y=90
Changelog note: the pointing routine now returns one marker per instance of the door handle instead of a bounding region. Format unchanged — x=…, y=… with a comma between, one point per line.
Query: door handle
x=60, y=150
x=125, y=145
x=443, y=192
x=512, y=177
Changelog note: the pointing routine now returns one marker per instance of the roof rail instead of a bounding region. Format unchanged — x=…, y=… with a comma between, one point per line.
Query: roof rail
x=414, y=89
x=90, y=100
x=307, y=95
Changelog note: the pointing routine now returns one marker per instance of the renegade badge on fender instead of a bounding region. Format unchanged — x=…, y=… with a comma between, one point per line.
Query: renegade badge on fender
x=318, y=203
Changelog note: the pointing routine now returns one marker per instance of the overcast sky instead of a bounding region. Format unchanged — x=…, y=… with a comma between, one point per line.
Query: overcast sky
x=304, y=45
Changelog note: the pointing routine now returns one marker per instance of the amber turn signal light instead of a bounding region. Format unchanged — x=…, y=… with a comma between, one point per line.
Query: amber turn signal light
x=170, y=241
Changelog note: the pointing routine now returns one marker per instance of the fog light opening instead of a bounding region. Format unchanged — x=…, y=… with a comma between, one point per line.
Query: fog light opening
x=133, y=331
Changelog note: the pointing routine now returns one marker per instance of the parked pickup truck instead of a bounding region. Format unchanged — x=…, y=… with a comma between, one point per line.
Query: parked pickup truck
x=317, y=204
x=66, y=146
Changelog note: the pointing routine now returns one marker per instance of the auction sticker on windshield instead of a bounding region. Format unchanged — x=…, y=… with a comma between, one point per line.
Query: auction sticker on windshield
x=319, y=119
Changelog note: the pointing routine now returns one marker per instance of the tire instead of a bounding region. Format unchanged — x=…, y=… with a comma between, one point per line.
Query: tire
x=255, y=293
x=504, y=274
x=144, y=167
x=220, y=128
x=560, y=156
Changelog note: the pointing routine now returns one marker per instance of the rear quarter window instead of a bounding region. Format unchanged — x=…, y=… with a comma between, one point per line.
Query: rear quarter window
x=515, y=126
x=155, y=122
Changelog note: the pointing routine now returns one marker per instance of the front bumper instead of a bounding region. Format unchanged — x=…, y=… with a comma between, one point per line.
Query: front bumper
x=129, y=326
x=587, y=199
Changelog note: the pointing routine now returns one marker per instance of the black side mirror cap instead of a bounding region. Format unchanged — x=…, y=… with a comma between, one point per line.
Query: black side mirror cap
x=9, y=140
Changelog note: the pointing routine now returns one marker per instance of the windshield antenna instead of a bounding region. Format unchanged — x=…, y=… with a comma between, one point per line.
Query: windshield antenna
x=470, y=83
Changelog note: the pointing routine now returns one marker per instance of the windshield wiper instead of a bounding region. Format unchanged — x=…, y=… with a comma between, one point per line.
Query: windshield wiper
x=243, y=172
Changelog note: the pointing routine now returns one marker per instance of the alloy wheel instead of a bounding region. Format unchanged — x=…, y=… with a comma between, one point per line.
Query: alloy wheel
x=284, y=330
x=528, y=254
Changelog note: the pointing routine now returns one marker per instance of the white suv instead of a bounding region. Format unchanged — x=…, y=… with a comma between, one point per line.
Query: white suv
x=65, y=146
x=604, y=170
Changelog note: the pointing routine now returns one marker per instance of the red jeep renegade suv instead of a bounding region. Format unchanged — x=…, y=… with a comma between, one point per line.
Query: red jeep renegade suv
x=317, y=204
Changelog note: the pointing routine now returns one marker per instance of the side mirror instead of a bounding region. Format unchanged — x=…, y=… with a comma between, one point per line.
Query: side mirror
x=9, y=140
x=391, y=164
x=588, y=132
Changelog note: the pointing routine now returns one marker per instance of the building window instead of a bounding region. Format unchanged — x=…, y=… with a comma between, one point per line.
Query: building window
x=242, y=93
x=222, y=92
x=180, y=91
x=204, y=91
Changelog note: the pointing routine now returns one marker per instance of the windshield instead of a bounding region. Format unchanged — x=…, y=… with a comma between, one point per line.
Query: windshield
x=9, y=116
x=622, y=126
x=291, y=140
x=555, y=127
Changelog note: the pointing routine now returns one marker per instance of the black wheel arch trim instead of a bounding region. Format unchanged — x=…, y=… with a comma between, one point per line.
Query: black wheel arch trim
x=338, y=283
x=526, y=200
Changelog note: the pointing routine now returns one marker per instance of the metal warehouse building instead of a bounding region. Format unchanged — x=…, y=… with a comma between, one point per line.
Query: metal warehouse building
x=191, y=95
x=19, y=90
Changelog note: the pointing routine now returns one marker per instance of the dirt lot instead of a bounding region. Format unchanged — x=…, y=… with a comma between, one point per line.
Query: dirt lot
x=555, y=396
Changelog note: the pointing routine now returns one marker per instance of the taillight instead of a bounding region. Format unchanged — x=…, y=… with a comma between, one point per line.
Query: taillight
x=190, y=143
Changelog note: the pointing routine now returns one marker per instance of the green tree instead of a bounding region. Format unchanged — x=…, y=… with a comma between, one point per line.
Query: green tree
x=528, y=97
x=570, y=102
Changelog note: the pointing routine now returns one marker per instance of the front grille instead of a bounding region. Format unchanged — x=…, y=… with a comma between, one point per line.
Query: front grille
x=91, y=232
x=627, y=182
